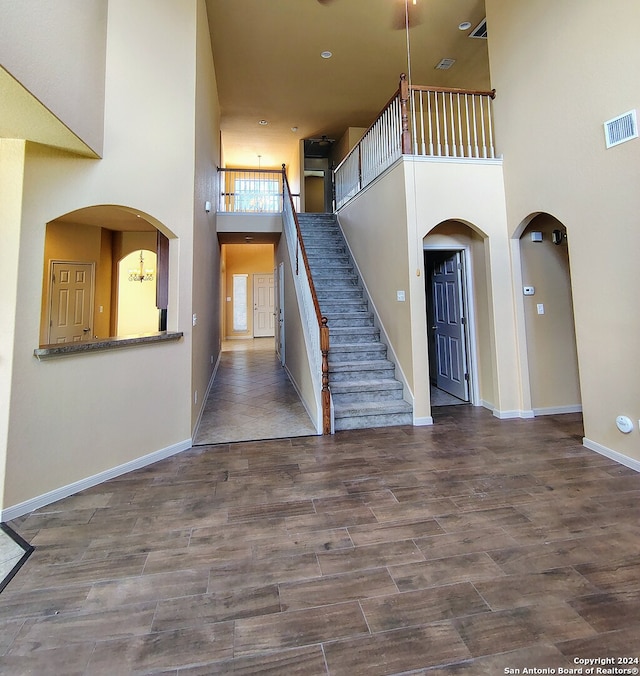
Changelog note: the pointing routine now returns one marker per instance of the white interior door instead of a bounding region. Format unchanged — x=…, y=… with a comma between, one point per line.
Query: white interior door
x=71, y=302
x=263, y=305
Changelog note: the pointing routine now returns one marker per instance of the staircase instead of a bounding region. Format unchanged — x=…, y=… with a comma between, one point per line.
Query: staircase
x=363, y=387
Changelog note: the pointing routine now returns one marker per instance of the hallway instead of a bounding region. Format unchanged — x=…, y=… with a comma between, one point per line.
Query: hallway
x=251, y=398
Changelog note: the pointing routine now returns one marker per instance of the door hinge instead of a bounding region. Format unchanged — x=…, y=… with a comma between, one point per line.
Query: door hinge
x=463, y=320
x=466, y=377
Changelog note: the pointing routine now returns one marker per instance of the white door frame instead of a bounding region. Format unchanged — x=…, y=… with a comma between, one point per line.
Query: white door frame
x=469, y=313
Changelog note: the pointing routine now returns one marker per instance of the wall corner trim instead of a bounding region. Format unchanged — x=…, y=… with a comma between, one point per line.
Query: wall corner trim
x=610, y=453
x=65, y=491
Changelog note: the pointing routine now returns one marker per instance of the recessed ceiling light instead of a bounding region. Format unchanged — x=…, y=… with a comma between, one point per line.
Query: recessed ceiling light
x=326, y=55
x=294, y=128
x=263, y=122
x=464, y=26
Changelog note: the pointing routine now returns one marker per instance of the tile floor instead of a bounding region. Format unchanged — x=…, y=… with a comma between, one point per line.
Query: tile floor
x=472, y=546
x=251, y=397
x=11, y=555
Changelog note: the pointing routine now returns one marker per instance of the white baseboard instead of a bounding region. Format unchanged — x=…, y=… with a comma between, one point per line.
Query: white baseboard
x=613, y=455
x=558, y=410
x=427, y=420
x=194, y=432
x=77, y=486
x=510, y=415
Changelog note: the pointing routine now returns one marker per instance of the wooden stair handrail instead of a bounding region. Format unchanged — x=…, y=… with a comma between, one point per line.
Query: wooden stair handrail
x=453, y=90
x=322, y=321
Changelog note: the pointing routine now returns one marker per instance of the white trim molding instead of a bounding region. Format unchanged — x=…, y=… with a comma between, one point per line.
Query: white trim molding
x=510, y=415
x=558, y=410
x=610, y=453
x=77, y=486
x=422, y=422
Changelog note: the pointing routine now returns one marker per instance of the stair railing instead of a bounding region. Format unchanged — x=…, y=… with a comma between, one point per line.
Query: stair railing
x=317, y=341
x=436, y=122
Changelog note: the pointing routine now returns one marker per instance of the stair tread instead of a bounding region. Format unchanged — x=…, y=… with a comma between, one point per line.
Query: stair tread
x=365, y=385
x=365, y=365
x=372, y=407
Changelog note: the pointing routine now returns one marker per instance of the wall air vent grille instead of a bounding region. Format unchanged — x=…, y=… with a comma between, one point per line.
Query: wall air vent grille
x=480, y=31
x=620, y=129
x=445, y=64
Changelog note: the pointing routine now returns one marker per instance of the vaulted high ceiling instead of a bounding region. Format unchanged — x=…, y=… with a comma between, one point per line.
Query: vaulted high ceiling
x=269, y=67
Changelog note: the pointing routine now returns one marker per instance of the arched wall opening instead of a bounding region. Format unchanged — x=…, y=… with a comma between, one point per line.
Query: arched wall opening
x=547, y=315
x=460, y=248
x=84, y=287
x=136, y=308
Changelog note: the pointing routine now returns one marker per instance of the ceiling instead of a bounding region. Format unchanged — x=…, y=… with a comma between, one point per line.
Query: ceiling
x=268, y=66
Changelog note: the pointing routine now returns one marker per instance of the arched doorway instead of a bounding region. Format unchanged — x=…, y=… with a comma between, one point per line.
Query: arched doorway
x=547, y=308
x=456, y=314
x=137, y=311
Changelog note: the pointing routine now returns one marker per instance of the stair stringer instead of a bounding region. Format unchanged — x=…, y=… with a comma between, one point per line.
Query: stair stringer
x=407, y=392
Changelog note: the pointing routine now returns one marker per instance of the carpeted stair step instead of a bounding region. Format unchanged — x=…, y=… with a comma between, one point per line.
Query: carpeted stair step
x=378, y=369
x=354, y=352
x=372, y=414
x=349, y=319
x=350, y=391
x=353, y=334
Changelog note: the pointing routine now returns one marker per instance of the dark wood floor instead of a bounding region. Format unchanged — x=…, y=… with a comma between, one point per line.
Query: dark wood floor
x=469, y=547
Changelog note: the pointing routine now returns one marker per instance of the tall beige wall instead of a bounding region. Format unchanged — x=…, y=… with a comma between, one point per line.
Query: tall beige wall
x=12, y=157
x=295, y=346
x=206, y=250
x=56, y=50
x=76, y=417
x=560, y=71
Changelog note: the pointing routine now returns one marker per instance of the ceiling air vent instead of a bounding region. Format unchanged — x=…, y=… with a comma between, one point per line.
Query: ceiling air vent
x=480, y=31
x=620, y=129
x=445, y=64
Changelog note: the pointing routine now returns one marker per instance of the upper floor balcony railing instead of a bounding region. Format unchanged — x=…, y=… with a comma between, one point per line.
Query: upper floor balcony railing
x=250, y=191
x=434, y=122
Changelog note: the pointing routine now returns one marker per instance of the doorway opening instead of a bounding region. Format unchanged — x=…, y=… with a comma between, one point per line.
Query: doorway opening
x=248, y=288
x=547, y=306
x=318, y=175
x=450, y=373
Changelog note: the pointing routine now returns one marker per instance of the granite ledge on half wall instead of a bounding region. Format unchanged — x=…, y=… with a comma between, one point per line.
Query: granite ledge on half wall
x=102, y=344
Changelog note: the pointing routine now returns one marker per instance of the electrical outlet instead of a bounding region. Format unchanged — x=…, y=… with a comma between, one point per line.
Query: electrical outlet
x=540, y=307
